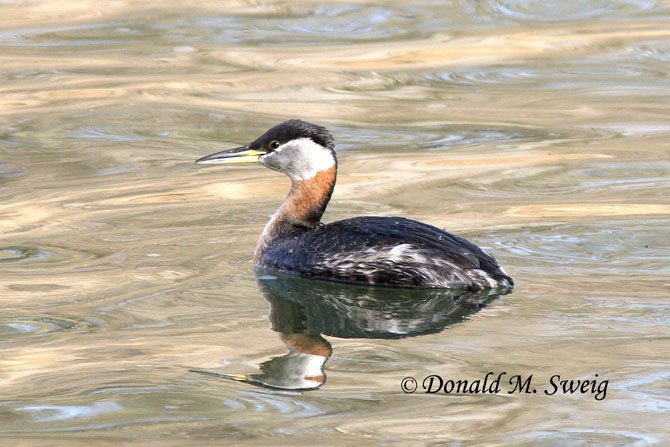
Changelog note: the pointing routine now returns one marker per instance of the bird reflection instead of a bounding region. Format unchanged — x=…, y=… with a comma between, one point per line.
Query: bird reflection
x=302, y=310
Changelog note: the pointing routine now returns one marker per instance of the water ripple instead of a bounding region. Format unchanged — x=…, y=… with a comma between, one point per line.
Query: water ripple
x=37, y=325
x=52, y=255
x=565, y=10
x=322, y=23
x=269, y=402
x=432, y=137
x=91, y=34
x=567, y=436
x=51, y=413
x=7, y=173
x=104, y=135
x=492, y=75
x=16, y=255
x=548, y=76
x=650, y=391
x=599, y=247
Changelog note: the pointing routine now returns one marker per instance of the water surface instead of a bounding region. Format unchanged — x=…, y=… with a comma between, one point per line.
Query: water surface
x=539, y=131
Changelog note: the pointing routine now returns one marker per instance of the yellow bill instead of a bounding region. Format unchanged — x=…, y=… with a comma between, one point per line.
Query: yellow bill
x=238, y=155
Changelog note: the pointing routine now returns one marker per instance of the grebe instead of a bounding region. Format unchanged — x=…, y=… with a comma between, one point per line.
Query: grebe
x=382, y=251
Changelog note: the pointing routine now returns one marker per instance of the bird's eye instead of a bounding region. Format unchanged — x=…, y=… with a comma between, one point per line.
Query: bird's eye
x=274, y=144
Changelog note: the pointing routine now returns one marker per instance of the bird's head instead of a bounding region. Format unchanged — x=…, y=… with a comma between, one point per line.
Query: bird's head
x=297, y=148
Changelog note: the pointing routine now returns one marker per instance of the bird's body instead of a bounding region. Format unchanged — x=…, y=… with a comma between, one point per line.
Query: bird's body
x=389, y=251
x=384, y=251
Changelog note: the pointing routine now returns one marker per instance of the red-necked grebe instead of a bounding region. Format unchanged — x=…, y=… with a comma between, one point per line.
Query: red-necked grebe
x=384, y=251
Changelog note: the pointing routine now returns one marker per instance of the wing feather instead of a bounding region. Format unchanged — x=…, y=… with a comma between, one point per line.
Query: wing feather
x=386, y=251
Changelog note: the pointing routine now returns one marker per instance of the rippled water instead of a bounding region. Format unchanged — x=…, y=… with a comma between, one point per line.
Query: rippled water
x=539, y=130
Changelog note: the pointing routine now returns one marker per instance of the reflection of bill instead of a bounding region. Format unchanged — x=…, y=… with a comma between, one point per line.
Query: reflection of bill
x=303, y=309
x=300, y=369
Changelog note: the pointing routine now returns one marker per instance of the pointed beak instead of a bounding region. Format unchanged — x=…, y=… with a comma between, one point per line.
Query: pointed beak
x=238, y=155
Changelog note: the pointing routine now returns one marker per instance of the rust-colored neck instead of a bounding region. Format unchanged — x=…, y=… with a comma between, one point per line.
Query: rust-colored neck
x=301, y=211
x=307, y=343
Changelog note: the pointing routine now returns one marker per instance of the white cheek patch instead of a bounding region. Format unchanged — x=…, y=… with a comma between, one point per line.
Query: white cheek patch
x=307, y=158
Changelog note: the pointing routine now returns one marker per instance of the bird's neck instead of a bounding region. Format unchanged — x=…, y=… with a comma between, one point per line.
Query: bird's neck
x=301, y=211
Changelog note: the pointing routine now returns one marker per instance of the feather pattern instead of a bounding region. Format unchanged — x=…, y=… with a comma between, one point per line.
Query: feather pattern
x=391, y=251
